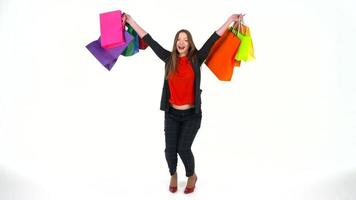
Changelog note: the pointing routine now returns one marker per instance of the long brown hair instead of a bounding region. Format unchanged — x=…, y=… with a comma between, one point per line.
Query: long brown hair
x=171, y=65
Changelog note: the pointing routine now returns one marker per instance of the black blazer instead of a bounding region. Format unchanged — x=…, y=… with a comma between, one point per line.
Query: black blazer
x=164, y=55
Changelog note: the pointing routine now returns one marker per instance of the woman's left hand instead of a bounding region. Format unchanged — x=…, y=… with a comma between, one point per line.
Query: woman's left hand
x=236, y=17
x=232, y=18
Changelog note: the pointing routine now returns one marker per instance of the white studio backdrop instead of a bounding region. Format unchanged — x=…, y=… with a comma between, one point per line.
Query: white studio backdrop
x=283, y=128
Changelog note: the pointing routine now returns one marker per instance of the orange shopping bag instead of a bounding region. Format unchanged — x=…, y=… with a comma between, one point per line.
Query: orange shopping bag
x=237, y=63
x=221, y=58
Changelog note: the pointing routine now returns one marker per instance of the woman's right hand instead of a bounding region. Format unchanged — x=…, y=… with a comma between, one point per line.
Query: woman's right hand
x=127, y=18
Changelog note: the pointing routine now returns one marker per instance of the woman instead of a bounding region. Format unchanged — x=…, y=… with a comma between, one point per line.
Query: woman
x=181, y=99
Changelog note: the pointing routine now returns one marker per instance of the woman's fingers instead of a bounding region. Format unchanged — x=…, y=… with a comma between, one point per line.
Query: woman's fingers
x=123, y=18
x=128, y=18
x=237, y=17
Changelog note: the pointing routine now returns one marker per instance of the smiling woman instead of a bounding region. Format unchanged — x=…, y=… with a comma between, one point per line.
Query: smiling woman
x=181, y=95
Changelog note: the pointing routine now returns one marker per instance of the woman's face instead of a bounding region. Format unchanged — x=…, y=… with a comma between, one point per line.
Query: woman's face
x=182, y=44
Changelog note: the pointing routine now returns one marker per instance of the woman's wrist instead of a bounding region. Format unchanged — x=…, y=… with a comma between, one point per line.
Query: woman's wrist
x=129, y=21
x=230, y=20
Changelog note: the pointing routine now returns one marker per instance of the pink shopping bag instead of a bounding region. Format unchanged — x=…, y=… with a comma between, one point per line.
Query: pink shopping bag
x=111, y=29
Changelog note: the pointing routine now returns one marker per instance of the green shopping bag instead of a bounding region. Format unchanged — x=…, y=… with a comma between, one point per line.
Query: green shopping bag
x=246, y=50
x=133, y=47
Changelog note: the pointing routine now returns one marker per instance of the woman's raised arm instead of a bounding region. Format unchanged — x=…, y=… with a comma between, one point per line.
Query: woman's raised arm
x=161, y=52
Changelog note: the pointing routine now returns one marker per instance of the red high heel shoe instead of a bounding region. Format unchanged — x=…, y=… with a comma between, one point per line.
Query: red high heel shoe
x=173, y=189
x=190, y=190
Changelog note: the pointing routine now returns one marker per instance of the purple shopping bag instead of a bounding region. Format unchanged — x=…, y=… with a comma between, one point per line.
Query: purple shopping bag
x=108, y=57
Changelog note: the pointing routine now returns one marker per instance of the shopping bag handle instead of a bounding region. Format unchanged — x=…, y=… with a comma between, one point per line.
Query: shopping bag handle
x=238, y=25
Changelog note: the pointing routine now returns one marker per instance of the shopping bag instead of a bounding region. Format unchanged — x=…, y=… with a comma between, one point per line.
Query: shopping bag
x=251, y=55
x=246, y=51
x=142, y=44
x=111, y=29
x=133, y=47
x=241, y=29
x=237, y=63
x=108, y=57
x=221, y=58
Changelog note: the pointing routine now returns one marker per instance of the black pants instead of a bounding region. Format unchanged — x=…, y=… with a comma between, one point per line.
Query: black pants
x=180, y=127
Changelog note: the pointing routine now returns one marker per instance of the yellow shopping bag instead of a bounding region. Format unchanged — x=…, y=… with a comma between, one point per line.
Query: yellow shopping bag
x=246, y=50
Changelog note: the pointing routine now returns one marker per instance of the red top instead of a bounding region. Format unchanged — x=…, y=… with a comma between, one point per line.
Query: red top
x=181, y=83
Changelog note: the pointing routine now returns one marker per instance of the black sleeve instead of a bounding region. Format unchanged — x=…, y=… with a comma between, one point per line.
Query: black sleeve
x=204, y=50
x=162, y=53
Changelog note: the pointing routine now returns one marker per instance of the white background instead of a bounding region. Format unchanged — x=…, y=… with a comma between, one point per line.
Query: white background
x=283, y=128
